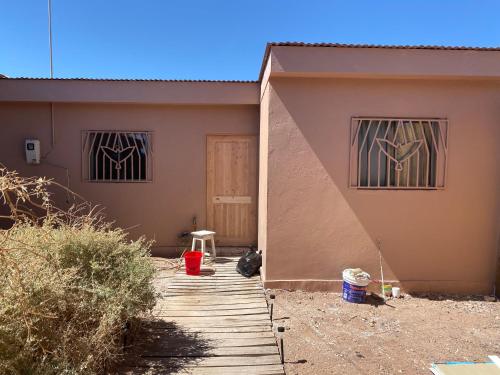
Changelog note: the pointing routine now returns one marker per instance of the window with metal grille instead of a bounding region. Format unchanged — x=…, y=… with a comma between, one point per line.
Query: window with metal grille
x=117, y=156
x=395, y=153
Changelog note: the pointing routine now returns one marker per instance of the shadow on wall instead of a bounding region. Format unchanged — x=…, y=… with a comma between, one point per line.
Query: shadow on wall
x=431, y=240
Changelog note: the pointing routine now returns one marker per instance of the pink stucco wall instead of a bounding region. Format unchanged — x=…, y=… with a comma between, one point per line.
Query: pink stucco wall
x=159, y=210
x=311, y=225
x=383, y=62
x=263, y=177
x=317, y=226
x=128, y=91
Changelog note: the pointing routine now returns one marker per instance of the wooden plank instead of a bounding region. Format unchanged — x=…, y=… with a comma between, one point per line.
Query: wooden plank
x=210, y=299
x=205, y=350
x=236, y=335
x=164, y=344
x=207, y=302
x=195, y=307
x=213, y=300
x=220, y=289
x=213, y=268
x=212, y=290
x=217, y=274
x=202, y=335
x=227, y=278
x=188, y=292
x=167, y=363
x=209, y=306
x=217, y=297
x=225, y=261
x=231, y=199
x=214, y=281
x=217, y=267
x=219, y=319
x=212, y=324
x=219, y=277
x=220, y=281
x=229, y=370
x=196, y=323
x=183, y=344
x=228, y=295
x=225, y=295
x=169, y=326
x=222, y=275
x=213, y=313
x=214, y=287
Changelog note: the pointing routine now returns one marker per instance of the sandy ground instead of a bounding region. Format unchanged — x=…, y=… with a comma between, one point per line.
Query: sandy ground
x=325, y=335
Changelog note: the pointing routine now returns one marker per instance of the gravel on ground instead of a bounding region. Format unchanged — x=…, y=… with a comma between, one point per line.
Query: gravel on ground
x=326, y=335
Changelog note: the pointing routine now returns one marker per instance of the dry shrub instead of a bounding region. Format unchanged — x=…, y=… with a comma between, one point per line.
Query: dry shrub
x=68, y=283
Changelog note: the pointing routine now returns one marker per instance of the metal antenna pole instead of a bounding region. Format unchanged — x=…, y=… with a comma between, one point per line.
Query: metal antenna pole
x=50, y=38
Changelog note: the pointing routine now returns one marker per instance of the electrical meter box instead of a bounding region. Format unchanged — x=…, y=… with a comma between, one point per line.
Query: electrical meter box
x=32, y=149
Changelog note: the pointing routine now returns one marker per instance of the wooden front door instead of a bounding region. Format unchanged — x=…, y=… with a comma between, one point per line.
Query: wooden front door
x=232, y=188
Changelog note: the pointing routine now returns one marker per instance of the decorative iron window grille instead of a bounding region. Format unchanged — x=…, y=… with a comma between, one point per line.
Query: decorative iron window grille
x=117, y=156
x=394, y=153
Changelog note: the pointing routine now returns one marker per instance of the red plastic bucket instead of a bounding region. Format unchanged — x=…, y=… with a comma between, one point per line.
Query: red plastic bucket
x=193, y=262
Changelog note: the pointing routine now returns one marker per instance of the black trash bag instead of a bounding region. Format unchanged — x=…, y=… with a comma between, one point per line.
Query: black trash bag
x=249, y=264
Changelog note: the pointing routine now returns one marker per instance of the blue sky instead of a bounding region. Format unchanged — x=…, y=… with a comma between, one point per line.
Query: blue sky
x=186, y=39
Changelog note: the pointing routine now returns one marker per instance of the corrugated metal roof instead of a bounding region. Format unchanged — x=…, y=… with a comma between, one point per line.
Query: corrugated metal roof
x=128, y=80
x=341, y=45
x=266, y=56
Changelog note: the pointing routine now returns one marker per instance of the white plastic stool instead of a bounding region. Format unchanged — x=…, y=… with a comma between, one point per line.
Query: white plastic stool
x=203, y=236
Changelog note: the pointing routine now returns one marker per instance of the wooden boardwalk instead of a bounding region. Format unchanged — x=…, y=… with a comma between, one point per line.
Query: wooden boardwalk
x=215, y=323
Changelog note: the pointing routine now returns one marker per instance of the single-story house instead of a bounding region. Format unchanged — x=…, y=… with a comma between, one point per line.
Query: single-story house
x=336, y=152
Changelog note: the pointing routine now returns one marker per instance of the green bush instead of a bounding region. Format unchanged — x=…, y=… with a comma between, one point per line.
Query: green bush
x=68, y=285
